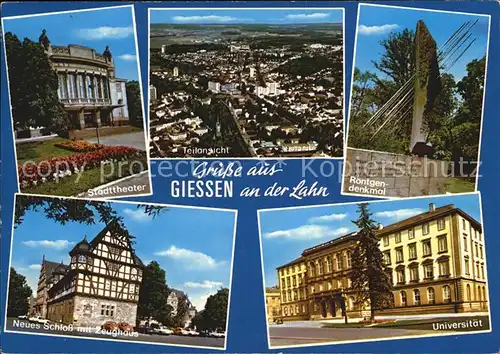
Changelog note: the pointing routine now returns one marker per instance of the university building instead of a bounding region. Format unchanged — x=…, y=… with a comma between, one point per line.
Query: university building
x=100, y=284
x=273, y=303
x=435, y=261
x=88, y=89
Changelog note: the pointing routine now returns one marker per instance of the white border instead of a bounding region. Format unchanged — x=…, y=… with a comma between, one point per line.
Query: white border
x=487, y=54
x=451, y=333
x=146, y=135
x=230, y=285
x=344, y=111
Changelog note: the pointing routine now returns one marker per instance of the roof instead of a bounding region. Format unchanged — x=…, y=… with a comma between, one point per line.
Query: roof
x=295, y=261
x=336, y=241
x=426, y=216
x=50, y=266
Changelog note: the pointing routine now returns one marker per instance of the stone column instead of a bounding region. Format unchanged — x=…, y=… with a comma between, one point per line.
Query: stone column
x=81, y=118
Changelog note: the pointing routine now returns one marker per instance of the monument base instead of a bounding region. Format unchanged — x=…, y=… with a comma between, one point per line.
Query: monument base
x=394, y=175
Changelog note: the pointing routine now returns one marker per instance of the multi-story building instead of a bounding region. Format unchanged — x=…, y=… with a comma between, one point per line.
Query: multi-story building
x=273, y=303
x=174, y=299
x=435, y=259
x=88, y=89
x=293, y=285
x=101, y=282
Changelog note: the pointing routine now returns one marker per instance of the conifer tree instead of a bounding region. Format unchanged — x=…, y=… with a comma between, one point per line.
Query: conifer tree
x=369, y=276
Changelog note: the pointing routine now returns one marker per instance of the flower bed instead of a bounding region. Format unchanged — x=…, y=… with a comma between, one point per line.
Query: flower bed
x=62, y=166
x=79, y=145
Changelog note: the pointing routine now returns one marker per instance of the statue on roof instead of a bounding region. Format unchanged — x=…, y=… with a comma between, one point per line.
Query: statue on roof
x=107, y=53
x=43, y=40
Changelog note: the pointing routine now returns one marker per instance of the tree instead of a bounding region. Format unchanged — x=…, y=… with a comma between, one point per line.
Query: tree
x=179, y=319
x=134, y=102
x=215, y=312
x=33, y=85
x=369, y=276
x=19, y=294
x=153, y=295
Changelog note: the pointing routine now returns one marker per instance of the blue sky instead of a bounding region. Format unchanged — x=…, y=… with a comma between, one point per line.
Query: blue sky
x=193, y=246
x=96, y=29
x=377, y=22
x=286, y=233
x=232, y=16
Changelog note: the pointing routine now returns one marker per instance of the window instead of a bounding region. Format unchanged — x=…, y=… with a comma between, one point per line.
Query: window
x=482, y=271
x=288, y=282
x=399, y=255
x=441, y=224
x=431, y=296
x=446, y=293
x=477, y=270
x=465, y=243
x=412, y=250
x=118, y=87
x=416, y=297
x=464, y=224
x=294, y=281
x=107, y=310
x=386, y=240
x=113, y=266
x=467, y=266
x=427, y=247
x=429, y=271
x=400, y=274
x=321, y=268
x=114, y=250
x=481, y=252
x=444, y=268
x=411, y=233
x=425, y=229
x=339, y=261
x=329, y=264
x=387, y=257
x=414, y=274
x=403, y=298
x=82, y=259
x=442, y=244
x=312, y=269
x=468, y=293
x=476, y=249
x=348, y=257
x=398, y=237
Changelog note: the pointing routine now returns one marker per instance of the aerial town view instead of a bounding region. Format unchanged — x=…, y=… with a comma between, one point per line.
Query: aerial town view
x=258, y=83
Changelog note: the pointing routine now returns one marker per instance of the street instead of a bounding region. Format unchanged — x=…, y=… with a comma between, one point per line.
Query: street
x=280, y=336
x=20, y=326
x=135, y=140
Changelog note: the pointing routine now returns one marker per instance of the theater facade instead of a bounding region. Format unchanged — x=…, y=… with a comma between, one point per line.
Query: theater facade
x=436, y=261
x=88, y=89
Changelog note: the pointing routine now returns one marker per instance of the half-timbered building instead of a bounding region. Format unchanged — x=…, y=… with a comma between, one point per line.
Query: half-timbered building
x=100, y=284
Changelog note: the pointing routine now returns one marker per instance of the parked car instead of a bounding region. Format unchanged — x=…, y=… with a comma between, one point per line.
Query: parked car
x=218, y=334
x=192, y=332
x=180, y=331
x=163, y=330
x=204, y=333
x=23, y=317
x=110, y=326
x=125, y=327
x=143, y=329
x=38, y=319
x=278, y=320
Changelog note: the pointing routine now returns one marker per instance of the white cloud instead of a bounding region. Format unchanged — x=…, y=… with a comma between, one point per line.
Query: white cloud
x=376, y=30
x=127, y=57
x=307, y=232
x=57, y=244
x=192, y=259
x=200, y=300
x=327, y=218
x=137, y=214
x=207, y=284
x=105, y=32
x=35, y=266
x=314, y=15
x=208, y=18
x=399, y=214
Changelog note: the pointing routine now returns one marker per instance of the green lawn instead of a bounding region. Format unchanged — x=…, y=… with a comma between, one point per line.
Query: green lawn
x=40, y=150
x=90, y=178
x=459, y=185
x=90, y=133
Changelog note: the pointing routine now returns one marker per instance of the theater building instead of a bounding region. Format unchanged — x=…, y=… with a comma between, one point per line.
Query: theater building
x=88, y=89
x=100, y=284
x=435, y=259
